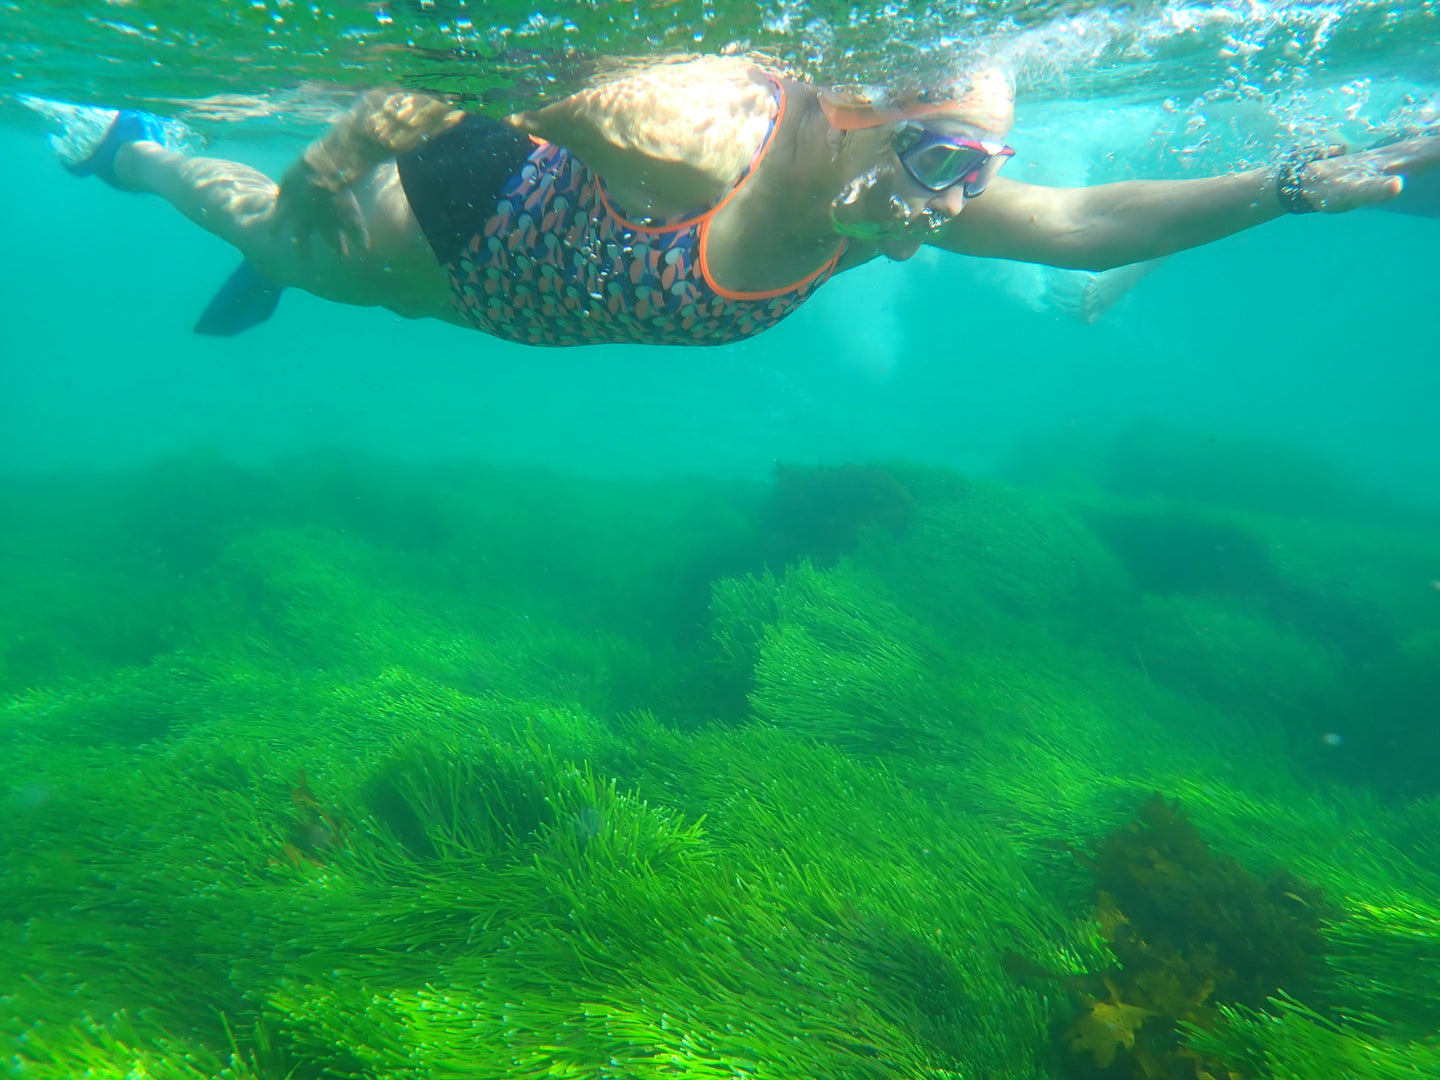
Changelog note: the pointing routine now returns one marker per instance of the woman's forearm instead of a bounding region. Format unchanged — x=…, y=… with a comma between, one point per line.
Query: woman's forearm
x=380, y=124
x=1109, y=225
x=1116, y=224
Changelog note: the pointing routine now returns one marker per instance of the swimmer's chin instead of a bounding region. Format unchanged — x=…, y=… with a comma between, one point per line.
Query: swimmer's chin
x=898, y=249
x=897, y=241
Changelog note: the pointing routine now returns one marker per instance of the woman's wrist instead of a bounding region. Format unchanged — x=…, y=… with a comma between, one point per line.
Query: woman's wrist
x=1290, y=176
x=379, y=125
x=334, y=162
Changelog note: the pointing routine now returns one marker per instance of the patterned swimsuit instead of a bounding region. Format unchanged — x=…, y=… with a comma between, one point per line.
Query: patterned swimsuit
x=557, y=263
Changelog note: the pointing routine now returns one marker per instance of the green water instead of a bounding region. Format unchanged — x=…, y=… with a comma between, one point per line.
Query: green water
x=933, y=687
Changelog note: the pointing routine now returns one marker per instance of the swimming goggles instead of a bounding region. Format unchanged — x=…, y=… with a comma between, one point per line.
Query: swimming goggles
x=937, y=162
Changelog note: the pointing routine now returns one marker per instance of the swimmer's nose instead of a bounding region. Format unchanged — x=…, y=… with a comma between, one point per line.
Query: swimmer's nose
x=948, y=202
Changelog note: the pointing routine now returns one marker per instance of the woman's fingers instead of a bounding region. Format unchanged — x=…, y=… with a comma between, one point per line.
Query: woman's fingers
x=303, y=211
x=1368, y=178
x=352, y=233
x=1414, y=155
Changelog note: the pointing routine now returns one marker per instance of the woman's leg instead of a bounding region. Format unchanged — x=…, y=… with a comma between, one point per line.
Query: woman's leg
x=397, y=270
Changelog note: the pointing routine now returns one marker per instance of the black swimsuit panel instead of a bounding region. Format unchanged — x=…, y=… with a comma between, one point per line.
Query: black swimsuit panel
x=453, y=179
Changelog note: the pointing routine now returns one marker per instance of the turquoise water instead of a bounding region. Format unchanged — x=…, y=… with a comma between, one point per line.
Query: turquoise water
x=1316, y=333
x=381, y=700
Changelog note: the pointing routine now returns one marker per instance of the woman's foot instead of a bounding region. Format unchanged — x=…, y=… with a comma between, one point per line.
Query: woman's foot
x=89, y=137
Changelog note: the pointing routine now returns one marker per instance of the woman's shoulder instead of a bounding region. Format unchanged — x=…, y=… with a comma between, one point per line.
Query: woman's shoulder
x=669, y=83
x=692, y=123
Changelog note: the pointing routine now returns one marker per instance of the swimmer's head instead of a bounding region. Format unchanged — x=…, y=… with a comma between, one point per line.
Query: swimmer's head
x=983, y=98
x=918, y=157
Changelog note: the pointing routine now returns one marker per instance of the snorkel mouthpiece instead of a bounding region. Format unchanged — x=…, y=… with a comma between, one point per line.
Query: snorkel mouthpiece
x=849, y=199
x=903, y=217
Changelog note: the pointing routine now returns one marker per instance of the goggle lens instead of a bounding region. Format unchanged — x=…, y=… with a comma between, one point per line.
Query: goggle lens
x=938, y=162
x=975, y=185
x=938, y=166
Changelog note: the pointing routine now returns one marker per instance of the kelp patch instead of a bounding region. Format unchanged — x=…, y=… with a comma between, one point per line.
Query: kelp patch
x=1191, y=932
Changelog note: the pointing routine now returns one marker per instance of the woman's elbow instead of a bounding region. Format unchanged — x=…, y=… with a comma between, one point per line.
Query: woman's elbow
x=1085, y=250
x=1080, y=250
x=1071, y=241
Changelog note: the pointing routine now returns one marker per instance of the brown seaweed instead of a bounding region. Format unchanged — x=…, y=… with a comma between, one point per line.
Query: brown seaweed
x=1190, y=930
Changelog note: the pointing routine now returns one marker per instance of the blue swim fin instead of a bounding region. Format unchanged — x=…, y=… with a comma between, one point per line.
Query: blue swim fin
x=246, y=299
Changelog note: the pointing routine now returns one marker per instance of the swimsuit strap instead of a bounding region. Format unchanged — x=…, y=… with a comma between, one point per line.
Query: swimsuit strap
x=824, y=268
x=690, y=221
x=702, y=220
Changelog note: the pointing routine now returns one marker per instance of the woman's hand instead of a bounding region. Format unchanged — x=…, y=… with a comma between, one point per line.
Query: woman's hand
x=315, y=193
x=312, y=201
x=1349, y=181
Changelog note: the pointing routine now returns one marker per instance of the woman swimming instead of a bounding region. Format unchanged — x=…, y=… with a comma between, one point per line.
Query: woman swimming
x=695, y=200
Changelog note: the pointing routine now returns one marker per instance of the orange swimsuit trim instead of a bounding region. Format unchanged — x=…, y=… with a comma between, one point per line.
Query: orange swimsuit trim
x=704, y=220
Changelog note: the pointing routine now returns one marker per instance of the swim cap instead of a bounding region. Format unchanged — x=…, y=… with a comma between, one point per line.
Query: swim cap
x=984, y=98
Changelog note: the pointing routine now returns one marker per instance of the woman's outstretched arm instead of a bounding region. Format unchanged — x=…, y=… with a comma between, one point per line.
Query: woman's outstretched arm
x=1109, y=225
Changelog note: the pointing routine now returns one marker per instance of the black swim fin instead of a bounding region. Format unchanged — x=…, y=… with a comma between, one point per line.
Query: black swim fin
x=246, y=299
